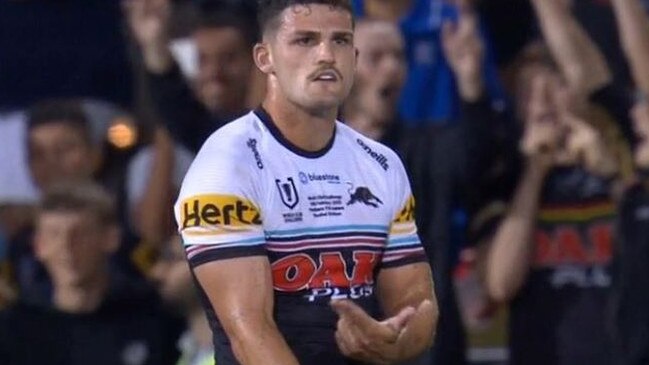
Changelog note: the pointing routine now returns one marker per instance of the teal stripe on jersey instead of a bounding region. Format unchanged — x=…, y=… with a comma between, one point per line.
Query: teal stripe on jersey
x=403, y=241
x=330, y=229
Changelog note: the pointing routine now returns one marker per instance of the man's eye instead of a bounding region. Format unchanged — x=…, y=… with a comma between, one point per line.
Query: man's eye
x=342, y=41
x=304, y=41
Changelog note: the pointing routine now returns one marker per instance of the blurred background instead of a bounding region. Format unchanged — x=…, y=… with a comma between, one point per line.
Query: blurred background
x=522, y=124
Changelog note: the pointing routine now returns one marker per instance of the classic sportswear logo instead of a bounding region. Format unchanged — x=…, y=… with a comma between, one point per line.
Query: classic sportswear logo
x=379, y=157
x=227, y=210
x=252, y=144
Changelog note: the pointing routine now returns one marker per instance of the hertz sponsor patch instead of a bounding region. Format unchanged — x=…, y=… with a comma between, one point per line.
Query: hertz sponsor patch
x=218, y=210
x=407, y=213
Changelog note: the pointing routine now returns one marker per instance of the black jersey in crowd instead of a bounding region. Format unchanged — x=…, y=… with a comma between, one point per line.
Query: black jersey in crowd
x=560, y=314
x=128, y=328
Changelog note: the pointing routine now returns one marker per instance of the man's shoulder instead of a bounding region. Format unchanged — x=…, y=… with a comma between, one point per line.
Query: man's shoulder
x=234, y=132
x=231, y=143
x=229, y=153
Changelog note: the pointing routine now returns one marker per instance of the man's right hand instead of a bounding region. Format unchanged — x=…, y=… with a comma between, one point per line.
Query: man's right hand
x=148, y=21
x=361, y=337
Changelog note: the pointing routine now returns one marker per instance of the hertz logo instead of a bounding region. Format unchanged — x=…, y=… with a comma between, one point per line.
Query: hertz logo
x=407, y=213
x=227, y=210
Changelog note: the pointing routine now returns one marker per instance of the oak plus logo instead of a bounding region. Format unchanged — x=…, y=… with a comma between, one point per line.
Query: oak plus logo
x=211, y=210
x=379, y=157
x=328, y=275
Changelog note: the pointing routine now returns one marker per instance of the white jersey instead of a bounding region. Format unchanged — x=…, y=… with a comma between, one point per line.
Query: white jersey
x=327, y=220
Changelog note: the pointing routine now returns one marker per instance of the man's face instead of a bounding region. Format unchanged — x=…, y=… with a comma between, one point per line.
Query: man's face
x=640, y=117
x=224, y=67
x=381, y=69
x=73, y=246
x=59, y=152
x=312, y=56
x=173, y=278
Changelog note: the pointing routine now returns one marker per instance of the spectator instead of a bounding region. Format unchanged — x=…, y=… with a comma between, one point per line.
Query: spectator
x=224, y=39
x=61, y=148
x=550, y=257
x=94, y=315
x=429, y=94
x=60, y=144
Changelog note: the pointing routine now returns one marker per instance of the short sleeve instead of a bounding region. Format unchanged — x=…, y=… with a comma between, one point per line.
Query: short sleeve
x=217, y=211
x=403, y=246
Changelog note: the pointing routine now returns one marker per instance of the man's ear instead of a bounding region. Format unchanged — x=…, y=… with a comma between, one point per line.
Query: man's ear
x=263, y=58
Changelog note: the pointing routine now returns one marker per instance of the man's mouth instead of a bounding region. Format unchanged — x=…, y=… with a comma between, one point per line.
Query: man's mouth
x=326, y=76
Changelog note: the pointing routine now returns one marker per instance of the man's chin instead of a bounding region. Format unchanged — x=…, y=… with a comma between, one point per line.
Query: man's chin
x=322, y=105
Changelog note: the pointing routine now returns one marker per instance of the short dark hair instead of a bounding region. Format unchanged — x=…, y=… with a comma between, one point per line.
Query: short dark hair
x=69, y=112
x=87, y=197
x=268, y=10
x=227, y=15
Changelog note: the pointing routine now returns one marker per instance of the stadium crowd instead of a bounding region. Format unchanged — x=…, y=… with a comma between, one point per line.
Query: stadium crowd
x=523, y=126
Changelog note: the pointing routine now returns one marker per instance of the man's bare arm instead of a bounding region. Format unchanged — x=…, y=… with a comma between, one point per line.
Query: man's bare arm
x=410, y=286
x=580, y=61
x=149, y=22
x=241, y=293
x=633, y=24
x=510, y=252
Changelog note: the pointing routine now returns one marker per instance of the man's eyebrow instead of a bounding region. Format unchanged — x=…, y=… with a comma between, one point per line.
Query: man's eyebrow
x=309, y=33
x=313, y=33
x=343, y=33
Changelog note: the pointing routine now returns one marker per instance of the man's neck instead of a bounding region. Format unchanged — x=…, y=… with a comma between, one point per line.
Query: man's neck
x=388, y=10
x=309, y=131
x=200, y=328
x=80, y=299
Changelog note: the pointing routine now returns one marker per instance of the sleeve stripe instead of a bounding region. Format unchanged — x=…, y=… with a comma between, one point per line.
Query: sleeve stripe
x=391, y=255
x=404, y=241
x=392, y=249
x=193, y=250
x=224, y=253
x=405, y=260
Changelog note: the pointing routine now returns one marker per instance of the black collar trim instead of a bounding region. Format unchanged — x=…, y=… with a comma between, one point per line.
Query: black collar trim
x=265, y=118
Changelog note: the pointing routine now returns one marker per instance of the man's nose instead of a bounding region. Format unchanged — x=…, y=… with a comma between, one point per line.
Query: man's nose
x=326, y=53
